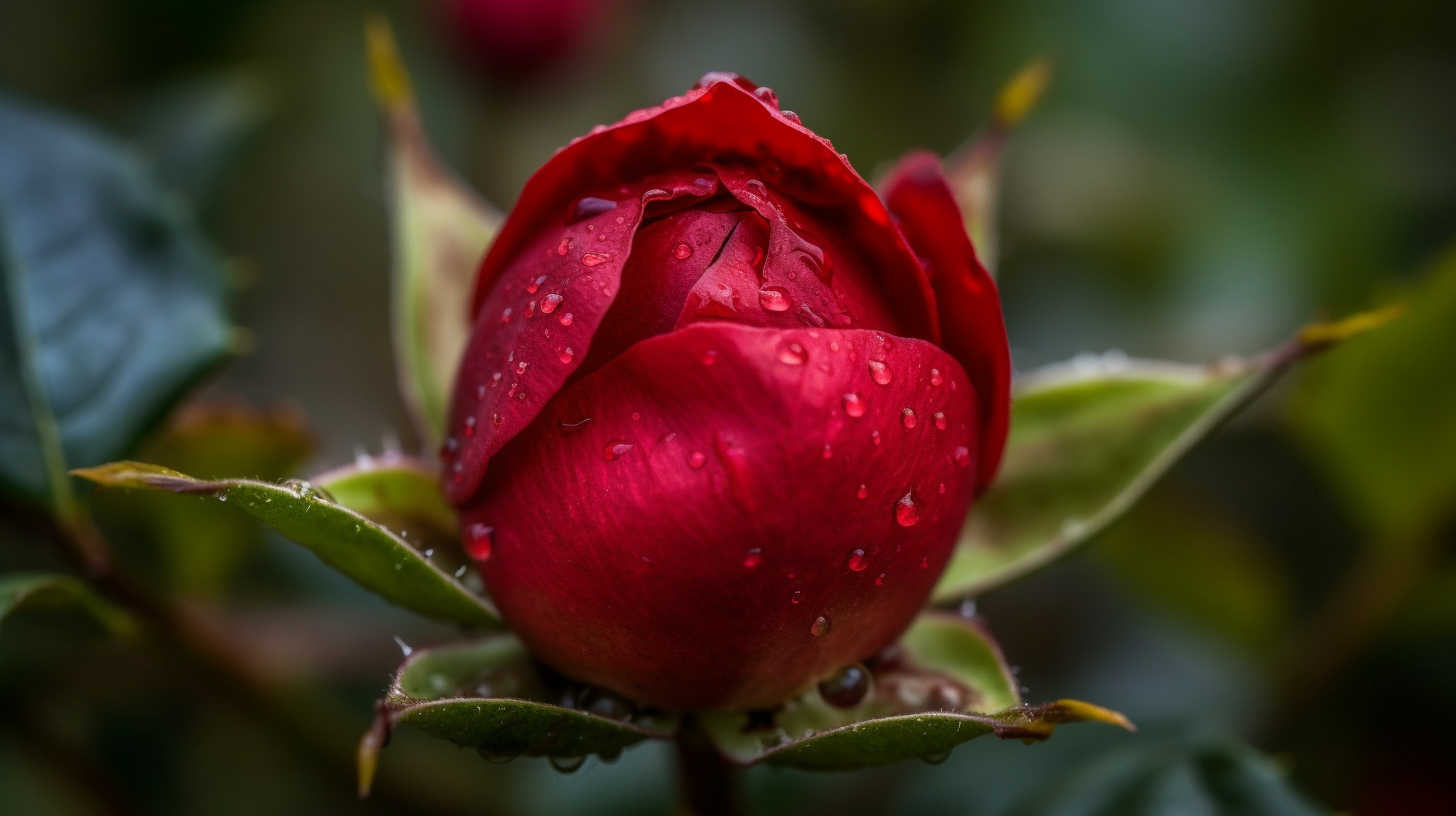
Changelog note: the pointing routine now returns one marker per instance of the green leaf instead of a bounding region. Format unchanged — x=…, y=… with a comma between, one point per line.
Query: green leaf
x=373, y=557
x=1379, y=415
x=1089, y=437
x=111, y=304
x=396, y=491
x=440, y=230
x=488, y=695
x=950, y=686
x=1159, y=779
x=39, y=588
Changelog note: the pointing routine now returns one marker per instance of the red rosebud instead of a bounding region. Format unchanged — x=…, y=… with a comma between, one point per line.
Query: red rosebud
x=734, y=406
x=517, y=39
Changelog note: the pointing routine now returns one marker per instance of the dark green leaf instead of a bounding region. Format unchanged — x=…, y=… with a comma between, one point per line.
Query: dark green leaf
x=357, y=547
x=1089, y=437
x=441, y=230
x=951, y=685
x=1174, y=780
x=111, y=304
x=38, y=588
x=489, y=696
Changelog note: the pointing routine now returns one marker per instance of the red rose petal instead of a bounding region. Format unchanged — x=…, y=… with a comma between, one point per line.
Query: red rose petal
x=725, y=122
x=970, y=308
x=680, y=546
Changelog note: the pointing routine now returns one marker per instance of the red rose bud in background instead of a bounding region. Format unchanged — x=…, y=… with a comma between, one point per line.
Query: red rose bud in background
x=724, y=408
x=518, y=39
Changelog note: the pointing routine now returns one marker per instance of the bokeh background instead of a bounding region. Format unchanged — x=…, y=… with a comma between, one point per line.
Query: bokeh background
x=1203, y=177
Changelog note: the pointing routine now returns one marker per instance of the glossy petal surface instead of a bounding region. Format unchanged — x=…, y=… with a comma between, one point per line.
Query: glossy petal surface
x=679, y=526
x=970, y=308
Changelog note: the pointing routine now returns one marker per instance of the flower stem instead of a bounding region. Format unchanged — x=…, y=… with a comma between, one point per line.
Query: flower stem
x=709, y=785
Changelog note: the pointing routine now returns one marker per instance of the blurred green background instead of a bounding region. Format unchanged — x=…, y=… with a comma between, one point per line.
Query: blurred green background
x=1203, y=177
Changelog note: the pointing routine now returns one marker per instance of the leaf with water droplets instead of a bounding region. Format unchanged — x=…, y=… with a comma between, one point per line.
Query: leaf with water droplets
x=372, y=556
x=1089, y=437
x=42, y=588
x=440, y=230
x=489, y=695
x=948, y=685
x=397, y=492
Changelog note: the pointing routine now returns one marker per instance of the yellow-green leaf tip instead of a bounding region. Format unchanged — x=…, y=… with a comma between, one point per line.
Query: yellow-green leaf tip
x=1019, y=96
x=387, y=76
x=1320, y=335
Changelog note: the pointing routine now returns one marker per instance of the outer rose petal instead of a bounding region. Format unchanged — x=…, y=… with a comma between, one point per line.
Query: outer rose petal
x=726, y=121
x=679, y=547
x=970, y=308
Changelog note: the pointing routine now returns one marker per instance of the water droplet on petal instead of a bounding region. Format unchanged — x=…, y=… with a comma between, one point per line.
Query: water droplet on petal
x=875, y=437
x=793, y=354
x=905, y=511
x=590, y=206
x=550, y=302
x=879, y=372
x=935, y=376
x=753, y=558
x=880, y=580
x=615, y=449
x=907, y=417
x=863, y=492
x=469, y=429
x=828, y=452
x=846, y=687
x=939, y=421
x=479, y=540
x=820, y=627
x=925, y=563
x=506, y=315
x=697, y=459
x=593, y=259
x=858, y=561
x=796, y=597
x=853, y=405
x=710, y=357
x=566, y=319
x=774, y=298
x=682, y=252
x=522, y=366
x=567, y=354
x=962, y=456
x=564, y=247
x=496, y=420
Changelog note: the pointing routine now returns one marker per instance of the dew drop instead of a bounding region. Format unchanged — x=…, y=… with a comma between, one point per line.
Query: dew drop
x=875, y=437
x=566, y=319
x=846, y=687
x=863, y=492
x=593, y=259
x=469, y=429
x=853, y=405
x=522, y=366
x=495, y=379
x=936, y=758
x=880, y=580
x=403, y=647
x=935, y=378
x=879, y=372
x=567, y=765
x=506, y=315
x=683, y=252
x=796, y=597
x=615, y=449
x=530, y=310
x=590, y=206
x=828, y=452
x=905, y=511
x=534, y=285
x=550, y=302
x=962, y=456
x=567, y=354
x=820, y=627
x=907, y=417
x=479, y=541
x=925, y=563
x=793, y=354
x=496, y=420
x=858, y=561
x=939, y=421
x=696, y=459
x=564, y=247
x=451, y=445
x=710, y=357
x=774, y=298
x=753, y=558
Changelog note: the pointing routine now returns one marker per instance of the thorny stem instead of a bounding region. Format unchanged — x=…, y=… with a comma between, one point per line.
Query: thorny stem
x=709, y=785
